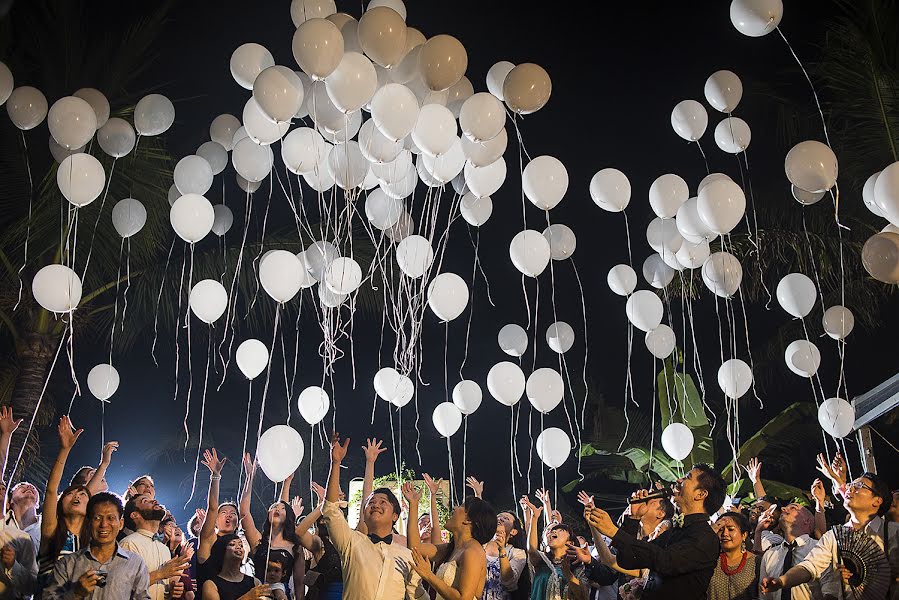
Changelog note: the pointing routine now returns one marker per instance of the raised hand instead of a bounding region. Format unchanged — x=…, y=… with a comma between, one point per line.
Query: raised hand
x=433, y=486
x=338, y=450
x=543, y=496
x=640, y=508
x=818, y=493
x=476, y=486
x=106, y=454
x=373, y=449
x=766, y=519
x=828, y=471
x=839, y=467
x=249, y=466
x=201, y=517
x=411, y=493
x=556, y=517
x=212, y=462
x=174, y=567
x=296, y=504
x=754, y=469
x=585, y=499
x=530, y=510
x=7, y=424
x=319, y=491
x=68, y=435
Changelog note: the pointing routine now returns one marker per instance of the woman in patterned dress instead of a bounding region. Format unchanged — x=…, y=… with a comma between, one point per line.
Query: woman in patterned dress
x=737, y=573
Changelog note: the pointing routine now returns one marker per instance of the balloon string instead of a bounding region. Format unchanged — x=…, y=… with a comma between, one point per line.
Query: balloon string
x=512, y=454
x=464, y=450
x=28, y=227
x=231, y=313
x=202, y=418
x=115, y=310
x=627, y=233
x=190, y=362
x=127, y=282
x=268, y=370
x=704, y=159
x=246, y=429
x=165, y=272
x=449, y=455
x=90, y=249
x=810, y=84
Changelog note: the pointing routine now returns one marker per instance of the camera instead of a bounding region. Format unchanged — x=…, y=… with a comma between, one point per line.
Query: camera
x=101, y=581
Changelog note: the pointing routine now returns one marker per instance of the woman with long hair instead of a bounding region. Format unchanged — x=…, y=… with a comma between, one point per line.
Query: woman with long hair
x=462, y=564
x=64, y=527
x=278, y=536
x=506, y=559
x=230, y=583
x=737, y=573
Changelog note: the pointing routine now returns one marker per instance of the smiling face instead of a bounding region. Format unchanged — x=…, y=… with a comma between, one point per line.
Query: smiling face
x=859, y=498
x=74, y=502
x=729, y=534
x=234, y=550
x=105, y=524
x=379, y=512
x=687, y=494
x=226, y=520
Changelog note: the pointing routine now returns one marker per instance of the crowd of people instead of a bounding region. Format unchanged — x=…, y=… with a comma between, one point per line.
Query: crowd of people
x=685, y=541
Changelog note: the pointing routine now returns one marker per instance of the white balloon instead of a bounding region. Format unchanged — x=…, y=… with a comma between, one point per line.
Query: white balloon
x=553, y=447
x=663, y=236
x=562, y=241
x=223, y=220
x=722, y=273
x=281, y=275
x=98, y=102
x=838, y=322
x=394, y=171
x=239, y=134
x=193, y=175
x=103, y=381
x=803, y=358
x=733, y=135
x=394, y=109
x=711, y=178
x=222, y=130
x=279, y=93
x=723, y=90
x=755, y=18
x=560, y=337
x=692, y=256
x=248, y=61
x=59, y=153
x=811, y=166
x=27, y=107
x=482, y=116
x=302, y=10
x=886, y=193
x=806, y=198
x=375, y=146
x=385, y=382
x=344, y=276
x=836, y=417
x=447, y=296
x=496, y=75
x=447, y=419
x=353, y=83
x=414, y=255
x=174, y=194
x=303, y=149
x=153, y=114
x=128, y=217
x=677, y=441
x=467, y=396
x=215, y=154
x=476, y=211
x=868, y=195
x=505, y=382
x=381, y=210
x=81, y=179
x=407, y=69
x=529, y=252
x=6, y=83
x=208, y=300
x=57, y=288
x=403, y=392
x=734, y=378
x=259, y=127
x=247, y=186
x=481, y=154
x=435, y=130
x=319, y=256
x=252, y=161
x=279, y=452
x=545, y=181
x=116, y=137
x=447, y=166
x=660, y=341
x=796, y=294
x=689, y=120
x=689, y=223
x=192, y=217
x=667, y=194
x=347, y=165
x=72, y=122
x=513, y=339
x=622, y=280
x=485, y=181
x=656, y=272
x=545, y=389
x=644, y=309
x=313, y=404
x=721, y=206
x=610, y=190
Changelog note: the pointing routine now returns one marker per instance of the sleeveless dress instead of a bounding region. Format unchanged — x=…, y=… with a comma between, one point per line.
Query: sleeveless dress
x=739, y=585
x=231, y=590
x=448, y=573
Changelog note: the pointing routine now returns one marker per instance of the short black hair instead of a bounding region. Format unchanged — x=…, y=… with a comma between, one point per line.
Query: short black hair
x=881, y=490
x=130, y=508
x=711, y=481
x=667, y=508
x=105, y=498
x=391, y=497
x=226, y=504
x=739, y=520
x=80, y=477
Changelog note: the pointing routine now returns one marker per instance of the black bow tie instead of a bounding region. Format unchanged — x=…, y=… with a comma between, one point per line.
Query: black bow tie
x=388, y=539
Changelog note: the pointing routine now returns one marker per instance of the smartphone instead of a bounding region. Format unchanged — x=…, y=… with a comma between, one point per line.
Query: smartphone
x=101, y=582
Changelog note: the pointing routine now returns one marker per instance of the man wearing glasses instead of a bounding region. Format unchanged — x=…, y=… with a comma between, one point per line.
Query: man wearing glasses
x=867, y=500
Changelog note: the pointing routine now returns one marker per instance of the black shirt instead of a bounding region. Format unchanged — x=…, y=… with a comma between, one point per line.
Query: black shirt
x=681, y=560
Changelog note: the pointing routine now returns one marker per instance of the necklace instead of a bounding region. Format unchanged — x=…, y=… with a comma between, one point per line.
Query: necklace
x=729, y=571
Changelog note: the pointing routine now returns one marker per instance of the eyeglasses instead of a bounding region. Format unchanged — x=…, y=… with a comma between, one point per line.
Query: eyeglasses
x=857, y=485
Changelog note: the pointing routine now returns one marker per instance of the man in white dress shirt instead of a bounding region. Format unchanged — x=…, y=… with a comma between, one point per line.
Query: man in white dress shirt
x=867, y=499
x=374, y=568
x=796, y=523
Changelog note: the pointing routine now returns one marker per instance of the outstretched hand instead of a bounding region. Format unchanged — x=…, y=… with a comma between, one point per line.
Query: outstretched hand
x=249, y=466
x=585, y=499
x=7, y=424
x=212, y=462
x=68, y=435
x=108, y=449
x=476, y=486
x=433, y=486
x=319, y=491
x=411, y=493
x=754, y=469
x=338, y=450
x=373, y=448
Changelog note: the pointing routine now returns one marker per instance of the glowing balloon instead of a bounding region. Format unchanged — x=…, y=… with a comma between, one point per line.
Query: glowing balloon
x=208, y=300
x=435, y=131
x=496, y=76
x=677, y=441
x=610, y=190
x=482, y=117
x=481, y=154
x=803, y=358
x=562, y=241
x=259, y=127
x=836, y=417
x=553, y=447
x=880, y=257
x=660, y=341
x=304, y=149
x=805, y=198
x=302, y=10
x=279, y=452
x=722, y=273
x=27, y=107
x=128, y=217
x=414, y=255
x=313, y=404
x=116, y=137
x=278, y=92
x=103, y=381
x=394, y=109
x=690, y=224
x=57, y=288
x=252, y=161
x=693, y=256
x=644, y=309
x=72, y=122
x=527, y=88
x=733, y=135
x=442, y=62
x=505, y=382
x=755, y=18
x=153, y=115
x=545, y=389
x=485, y=181
x=223, y=220
x=318, y=47
x=721, y=206
x=222, y=130
x=689, y=120
x=193, y=175
x=81, y=179
x=723, y=90
x=382, y=34
x=6, y=83
x=796, y=294
x=622, y=280
x=248, y=61
x=353, y=83
x=734, y=378
x=656, y=272
x=838, y=322
x=192, y=217
x=811, y=166
x=885, y=194
x=447, y=419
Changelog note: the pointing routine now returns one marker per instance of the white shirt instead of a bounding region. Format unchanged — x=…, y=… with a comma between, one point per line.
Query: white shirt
x=371, y=571
x=824, y=555
x=154, y=553
x=772, y=565
x=33, y=530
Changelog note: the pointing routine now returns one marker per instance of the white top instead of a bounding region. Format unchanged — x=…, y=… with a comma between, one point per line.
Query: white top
x=33, y=530
x=371, y=571
x=824, y=555
x=154, y=553
x=447, y=572
x=772, y=564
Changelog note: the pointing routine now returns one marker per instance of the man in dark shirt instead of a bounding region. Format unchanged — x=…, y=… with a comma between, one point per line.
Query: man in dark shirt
x=681, y=560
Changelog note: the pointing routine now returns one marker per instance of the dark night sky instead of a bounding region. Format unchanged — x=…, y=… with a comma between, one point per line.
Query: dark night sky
x=617, y=71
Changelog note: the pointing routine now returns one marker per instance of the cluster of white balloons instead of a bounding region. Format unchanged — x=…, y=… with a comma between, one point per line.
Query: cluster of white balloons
x=880, y=254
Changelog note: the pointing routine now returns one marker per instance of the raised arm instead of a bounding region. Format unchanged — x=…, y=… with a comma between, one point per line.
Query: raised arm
x=602, y=549
x=819, y=495
x=835, y=472
x=544, y=497
x=96, y=483
x=766, y=520
x=67, y=438
x=285, y=489
x=476, y=486
x=8, y=425
x=531, y=517
x=207, y=533
x=246, y=497
x=310, y=541
x=433, y=490
x=754, y=472
x=338, y=453
x=372, y=450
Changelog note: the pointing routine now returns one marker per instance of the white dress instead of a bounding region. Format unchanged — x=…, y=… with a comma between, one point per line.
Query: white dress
x=447, y=572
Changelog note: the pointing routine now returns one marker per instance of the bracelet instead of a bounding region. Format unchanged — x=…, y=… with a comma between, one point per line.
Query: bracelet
x=214, y=477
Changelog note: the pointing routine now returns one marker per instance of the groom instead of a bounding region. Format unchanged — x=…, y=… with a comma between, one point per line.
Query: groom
x=373, y=566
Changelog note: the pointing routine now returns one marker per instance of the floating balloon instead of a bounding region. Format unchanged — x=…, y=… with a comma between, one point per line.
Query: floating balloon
x=208, y=300
x=481, y=154
x=880, y=257
x=353, y=83
x=377, y=147
x=192, y=217
x=529, y=252
x=103, y=381
x=610, y=190
x=222, y=130
x=247, y=62
x=193, y=175
x=811, y=166
x=81, y=179
x=838, y=322
x=98, y=102
x=467, y=396
x=689, y=120
x=733, y=135
x=868, y=195
x=442, y=61
x=403, y=392
x=302, y=150
x=215, y=154
x=667, y=194
x=485, y=181
x=622, y=280
x=128, y=217
x=394, y=109
x=663, y=236
x=435, y=131
x=382, y=34
x=836, y=417
x=660, y=341
x=344, y=275
x=252, y=161
x=723, y=90
x=693, y=256
x=347, y=166
x=279, y=452
x=318, y=47
x=805, y=198
x=116, y=137
x=803, y=358
x=72, y=122
x=545, y=181
x=656, y=272
x=482, y=117
x=505, y=382
x=381, y=210
x=553, y=447
x=496, y=76
x=281, y=275
x=447, y=166
x=259, y=127
x=677, y=441
x=545, y=389
x=414, y=255
x=527, y=88
x=644, y=309
x=721, y=206
x=27, y=107
x=223, y=220
x=6, y=83
x=313, y=404
x=560, y=337
x=796, y=294
x=722, y=273
x=447, y=418
x=886, y=193
x=279, y=93
x=57, y=288
x=447, y=296
x=302, y=10
x=755, y=18
x=562, y=241
x=153, y=114
x=513, y=339
x=59, y=153
x=690, y=224
x=734, y=378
